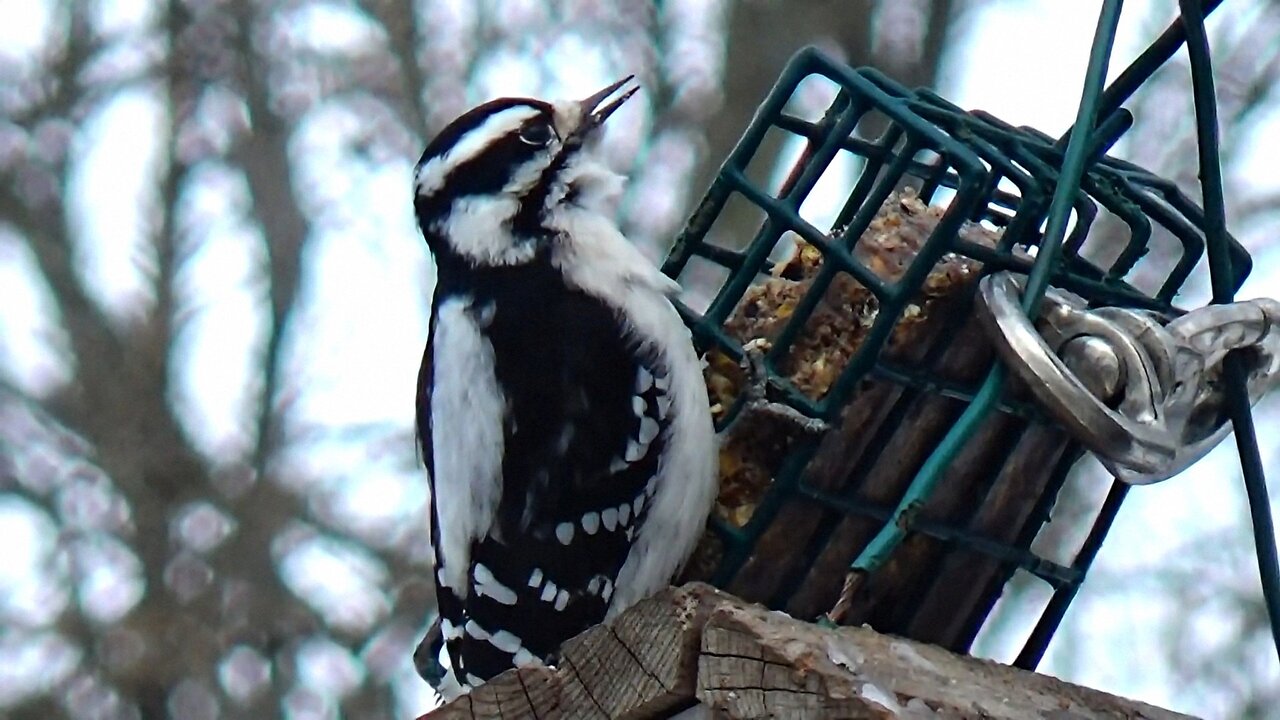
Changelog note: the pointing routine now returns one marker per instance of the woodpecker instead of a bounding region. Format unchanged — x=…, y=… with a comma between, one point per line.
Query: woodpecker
x=561, y=409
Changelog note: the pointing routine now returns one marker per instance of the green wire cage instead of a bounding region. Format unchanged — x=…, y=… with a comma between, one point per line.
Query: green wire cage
x=939, y=470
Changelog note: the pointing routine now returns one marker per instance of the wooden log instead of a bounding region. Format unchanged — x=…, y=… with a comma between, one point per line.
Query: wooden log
x=696, y=652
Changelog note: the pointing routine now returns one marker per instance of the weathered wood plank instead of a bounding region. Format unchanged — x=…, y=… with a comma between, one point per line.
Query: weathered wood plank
x=641, y=665
x=856, y=672
x=695, y=652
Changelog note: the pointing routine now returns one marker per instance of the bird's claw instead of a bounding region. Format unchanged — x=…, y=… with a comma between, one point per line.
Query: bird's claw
x=757, y=390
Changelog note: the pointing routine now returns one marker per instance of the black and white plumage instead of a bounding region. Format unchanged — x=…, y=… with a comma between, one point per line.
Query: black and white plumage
x=561, y=407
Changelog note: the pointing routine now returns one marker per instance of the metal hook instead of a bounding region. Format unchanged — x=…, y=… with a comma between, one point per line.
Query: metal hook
x=1140, y=392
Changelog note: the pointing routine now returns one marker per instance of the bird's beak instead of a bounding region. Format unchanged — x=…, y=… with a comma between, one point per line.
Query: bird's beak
x=592, y=117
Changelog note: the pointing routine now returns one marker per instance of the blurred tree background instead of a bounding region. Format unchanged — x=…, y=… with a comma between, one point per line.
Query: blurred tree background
x=214, y=303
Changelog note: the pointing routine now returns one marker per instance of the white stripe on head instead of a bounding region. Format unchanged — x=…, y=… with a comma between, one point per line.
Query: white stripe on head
x=479, y=229
x=528, y=174
x=431, y=175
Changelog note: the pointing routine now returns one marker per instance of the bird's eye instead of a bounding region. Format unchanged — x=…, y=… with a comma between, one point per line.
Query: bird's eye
x=537, y=134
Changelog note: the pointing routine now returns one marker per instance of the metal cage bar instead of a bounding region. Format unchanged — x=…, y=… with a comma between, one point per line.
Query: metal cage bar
x=1016, y=179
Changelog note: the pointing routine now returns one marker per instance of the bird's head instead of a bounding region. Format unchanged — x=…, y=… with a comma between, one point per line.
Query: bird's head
x=487, y=184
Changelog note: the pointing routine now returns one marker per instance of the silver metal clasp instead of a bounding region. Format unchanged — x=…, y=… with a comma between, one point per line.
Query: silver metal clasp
x=1142, y=392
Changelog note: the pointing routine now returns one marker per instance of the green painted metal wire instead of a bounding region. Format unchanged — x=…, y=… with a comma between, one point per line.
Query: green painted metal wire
x=1220, y=273
x=969, y=158
x=892, y=533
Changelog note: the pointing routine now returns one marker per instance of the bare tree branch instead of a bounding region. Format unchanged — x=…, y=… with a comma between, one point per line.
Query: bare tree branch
x=400, y=20
x=263, y=154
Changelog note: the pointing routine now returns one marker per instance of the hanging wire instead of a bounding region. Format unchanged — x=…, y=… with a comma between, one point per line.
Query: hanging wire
x=892, y=533
x=1220, y=272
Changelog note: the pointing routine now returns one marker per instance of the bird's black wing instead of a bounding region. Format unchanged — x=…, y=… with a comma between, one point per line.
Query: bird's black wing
x=587, y=417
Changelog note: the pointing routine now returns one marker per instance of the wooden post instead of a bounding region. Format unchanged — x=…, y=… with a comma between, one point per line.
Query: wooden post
x=696, y=652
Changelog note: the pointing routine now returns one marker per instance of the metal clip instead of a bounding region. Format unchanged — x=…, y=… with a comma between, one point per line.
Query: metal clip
x=1142, y=393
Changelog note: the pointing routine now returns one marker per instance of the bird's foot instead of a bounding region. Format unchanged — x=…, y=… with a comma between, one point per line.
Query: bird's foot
x=757, y=389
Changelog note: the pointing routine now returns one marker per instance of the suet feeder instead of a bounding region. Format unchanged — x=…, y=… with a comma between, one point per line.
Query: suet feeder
x=984, y=305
